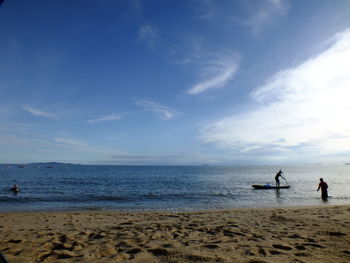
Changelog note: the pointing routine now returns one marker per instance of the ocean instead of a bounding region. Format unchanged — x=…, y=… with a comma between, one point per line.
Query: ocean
x=165, y=188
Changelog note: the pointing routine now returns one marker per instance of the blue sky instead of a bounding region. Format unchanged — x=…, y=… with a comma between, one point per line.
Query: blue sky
x=175, y=82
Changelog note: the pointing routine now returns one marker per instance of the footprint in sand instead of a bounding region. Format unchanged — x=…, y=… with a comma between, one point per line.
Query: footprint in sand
x=127, y=224
x=134, y=251
x=300, y=247
x=294, y=236
x=168, y=246
x=312, y=245
x=97, y=236
x=248, y=252
x=256, y=261
x=302, y=255
x=262, y=252
x=278, y=246
x=336, y=234
x=211, y=246
x=198, y=258
x=275, y=252
x=159, y=252
x=15, y=241
x=123, y=245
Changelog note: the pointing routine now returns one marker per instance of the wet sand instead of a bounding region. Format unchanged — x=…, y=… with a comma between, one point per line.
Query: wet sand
x=305, y=234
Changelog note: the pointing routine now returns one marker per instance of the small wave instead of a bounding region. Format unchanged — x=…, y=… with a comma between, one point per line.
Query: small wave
x=109, y=198
x=18, y=199
x=340, y=197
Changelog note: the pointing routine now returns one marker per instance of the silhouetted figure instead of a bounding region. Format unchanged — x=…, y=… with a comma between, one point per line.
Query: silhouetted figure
x=15, y=189
x=279, y=174
x=323, y=186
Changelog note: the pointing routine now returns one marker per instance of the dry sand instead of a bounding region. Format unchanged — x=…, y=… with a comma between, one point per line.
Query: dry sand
x=309, y=234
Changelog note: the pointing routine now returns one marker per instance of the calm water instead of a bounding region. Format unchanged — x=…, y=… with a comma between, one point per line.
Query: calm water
x=175, y=188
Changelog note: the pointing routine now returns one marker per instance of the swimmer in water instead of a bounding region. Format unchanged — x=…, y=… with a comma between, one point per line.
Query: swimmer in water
x=15, y=188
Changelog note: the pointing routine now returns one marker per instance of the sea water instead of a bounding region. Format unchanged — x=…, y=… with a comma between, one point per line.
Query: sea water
x=166, y=188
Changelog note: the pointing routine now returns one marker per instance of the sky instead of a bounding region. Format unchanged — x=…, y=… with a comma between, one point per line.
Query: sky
x=152, y=82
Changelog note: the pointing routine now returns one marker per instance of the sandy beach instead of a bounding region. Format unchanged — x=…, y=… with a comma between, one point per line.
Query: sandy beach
x=307, y=234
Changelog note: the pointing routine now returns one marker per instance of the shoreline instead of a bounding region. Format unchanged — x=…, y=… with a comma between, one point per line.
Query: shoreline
x=171, y=210
x=320, y=203
x=247, y=235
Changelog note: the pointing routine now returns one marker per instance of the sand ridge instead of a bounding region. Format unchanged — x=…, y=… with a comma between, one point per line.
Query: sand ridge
x=309, y=234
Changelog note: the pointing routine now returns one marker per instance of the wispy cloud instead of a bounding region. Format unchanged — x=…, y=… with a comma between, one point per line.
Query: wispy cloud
x=110, y=117
x=219, y=80
x=215, y=70
x=148, y=34
x=28, y=148
x=39, y=113
x=136, y=5
x=304, y=109
x=75, y=145
x=265, y=14
x=281, y=5
x=205, y=9
x=70, y=142
x=163, y=112
x=253, y=14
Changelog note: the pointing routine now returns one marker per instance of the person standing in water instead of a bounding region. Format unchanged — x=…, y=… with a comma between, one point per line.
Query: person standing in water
x=323, y=186
x=279, y=174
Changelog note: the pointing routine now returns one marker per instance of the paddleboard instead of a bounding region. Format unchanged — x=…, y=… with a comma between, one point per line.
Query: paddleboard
x=267, y=186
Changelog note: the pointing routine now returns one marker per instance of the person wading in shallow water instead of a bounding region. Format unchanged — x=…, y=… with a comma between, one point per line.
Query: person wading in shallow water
x=279, y=174
x=323, y=186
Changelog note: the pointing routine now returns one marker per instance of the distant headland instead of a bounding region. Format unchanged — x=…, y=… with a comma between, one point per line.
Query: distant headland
x=41, y=165
x=52, y=163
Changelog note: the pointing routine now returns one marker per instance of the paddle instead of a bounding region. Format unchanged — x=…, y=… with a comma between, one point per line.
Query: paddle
x=285, y=178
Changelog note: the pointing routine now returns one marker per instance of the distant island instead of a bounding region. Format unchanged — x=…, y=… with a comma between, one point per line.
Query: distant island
x=52, y=163
x=41, y=165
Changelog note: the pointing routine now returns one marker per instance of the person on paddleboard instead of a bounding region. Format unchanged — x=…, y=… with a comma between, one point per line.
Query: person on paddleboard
x=279, y=174
x=323, y=186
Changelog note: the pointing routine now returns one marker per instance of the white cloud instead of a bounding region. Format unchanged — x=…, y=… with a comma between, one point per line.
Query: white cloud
x=304, y=109
x=39, y=113
x=148, y=34
x=164, y=112
x=110, y=117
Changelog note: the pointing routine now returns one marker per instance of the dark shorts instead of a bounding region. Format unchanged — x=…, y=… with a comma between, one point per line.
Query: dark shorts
x=324, y=195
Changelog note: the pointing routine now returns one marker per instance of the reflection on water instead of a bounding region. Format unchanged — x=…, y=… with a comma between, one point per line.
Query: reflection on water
x=278, y=194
